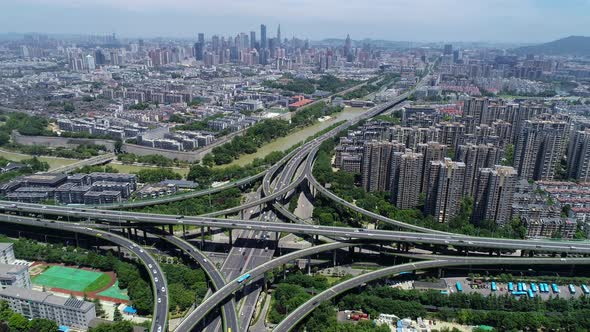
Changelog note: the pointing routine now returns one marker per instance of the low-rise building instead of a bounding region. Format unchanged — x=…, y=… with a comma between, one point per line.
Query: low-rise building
x=550, y=227
x=14, y=275
x=35, y=304
x=7, y=253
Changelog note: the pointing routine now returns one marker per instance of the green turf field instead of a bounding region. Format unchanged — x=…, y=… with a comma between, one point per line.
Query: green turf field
x=72, y=279
x=115, y=292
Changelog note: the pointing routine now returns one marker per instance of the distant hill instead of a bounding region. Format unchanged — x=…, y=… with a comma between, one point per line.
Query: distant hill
x=572, y=45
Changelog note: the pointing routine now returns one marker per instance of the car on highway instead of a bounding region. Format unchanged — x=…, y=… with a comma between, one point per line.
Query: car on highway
x=150, y=266
x=156, y=279
x=163, y=289
x=159, y=300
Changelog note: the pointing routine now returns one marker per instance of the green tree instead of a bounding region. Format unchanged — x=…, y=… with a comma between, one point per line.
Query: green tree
x=117, y=316
x=18, y=323
x=42, y=325
x=122, y=326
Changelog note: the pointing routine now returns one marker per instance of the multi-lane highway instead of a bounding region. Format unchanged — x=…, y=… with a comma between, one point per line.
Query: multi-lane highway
x=217, y=279
x=298, y=314
x=160, y=317
x=233, y=286
x=455, y=240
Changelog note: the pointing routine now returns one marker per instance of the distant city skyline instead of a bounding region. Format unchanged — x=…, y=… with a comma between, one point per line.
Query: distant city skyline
x=399, y=20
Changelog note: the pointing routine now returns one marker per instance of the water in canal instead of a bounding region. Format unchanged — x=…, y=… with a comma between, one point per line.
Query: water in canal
x=286, y=142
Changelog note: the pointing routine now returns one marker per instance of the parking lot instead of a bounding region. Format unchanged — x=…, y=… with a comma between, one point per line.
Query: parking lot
x=484, y=288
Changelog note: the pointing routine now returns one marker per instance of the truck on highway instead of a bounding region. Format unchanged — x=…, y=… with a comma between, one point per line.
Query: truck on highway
x=459, y=287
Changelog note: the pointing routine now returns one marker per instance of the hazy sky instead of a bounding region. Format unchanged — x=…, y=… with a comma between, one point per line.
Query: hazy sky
x=417, y=20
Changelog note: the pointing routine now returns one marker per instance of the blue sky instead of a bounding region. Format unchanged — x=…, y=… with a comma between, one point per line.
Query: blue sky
x=416, y=20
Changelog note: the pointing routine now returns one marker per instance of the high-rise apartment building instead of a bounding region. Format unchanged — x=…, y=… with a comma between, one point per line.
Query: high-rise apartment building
x=445, y=189
x=578, y=158
x=539, y=148
x=476, y=157
x=494, y=191
x=432, y=151
x=376, y=165
x=406, y=175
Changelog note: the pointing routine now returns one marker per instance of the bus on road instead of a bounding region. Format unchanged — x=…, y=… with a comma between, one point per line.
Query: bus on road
x=244, y=277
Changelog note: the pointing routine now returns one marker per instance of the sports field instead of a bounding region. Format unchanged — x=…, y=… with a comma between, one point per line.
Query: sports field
x=72, y=279
x=115, y=292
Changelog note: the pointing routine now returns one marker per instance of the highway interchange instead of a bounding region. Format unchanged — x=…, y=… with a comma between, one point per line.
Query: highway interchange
x=279, y=181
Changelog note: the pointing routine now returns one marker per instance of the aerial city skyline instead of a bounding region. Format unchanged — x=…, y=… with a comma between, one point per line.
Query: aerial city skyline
x=424, y=20
x=294, y=165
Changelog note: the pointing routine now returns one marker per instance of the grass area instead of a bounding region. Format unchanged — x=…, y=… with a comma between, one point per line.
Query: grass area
x=123, y=168
x=53, y=162
x=115, y=292
x=100, y=283
x=67, y=278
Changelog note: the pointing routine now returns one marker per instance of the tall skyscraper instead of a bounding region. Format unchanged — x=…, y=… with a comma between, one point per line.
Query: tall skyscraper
x=448, y=49
x=279, y=40
x=348, y=48
x=199, y=51
x=376, y=165
x=201, y=38
x=539, y=148
x=263, y=40
x=406, y=174
x=252, y=39
x=578, y=159
x=494, y=192
x=445, y=189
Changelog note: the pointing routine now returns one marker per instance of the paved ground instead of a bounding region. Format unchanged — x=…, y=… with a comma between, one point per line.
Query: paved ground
x=485, y=289
x=304, y=208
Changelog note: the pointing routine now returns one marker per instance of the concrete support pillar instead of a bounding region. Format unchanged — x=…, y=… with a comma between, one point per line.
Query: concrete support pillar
x=171, y=229
x=334, y=258
x=277, y=236
x=163, y=228
x=230, y=237
x=145, y=235
x=135, y=232
x=309, y=265
x=399, y=246
x=183, y=231
x=202, y=237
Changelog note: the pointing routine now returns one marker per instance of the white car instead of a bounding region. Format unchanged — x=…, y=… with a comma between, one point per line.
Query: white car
x=156, y=279
x=163, y=289
x=155, y=272
x=150, y=265
x=159, y=300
